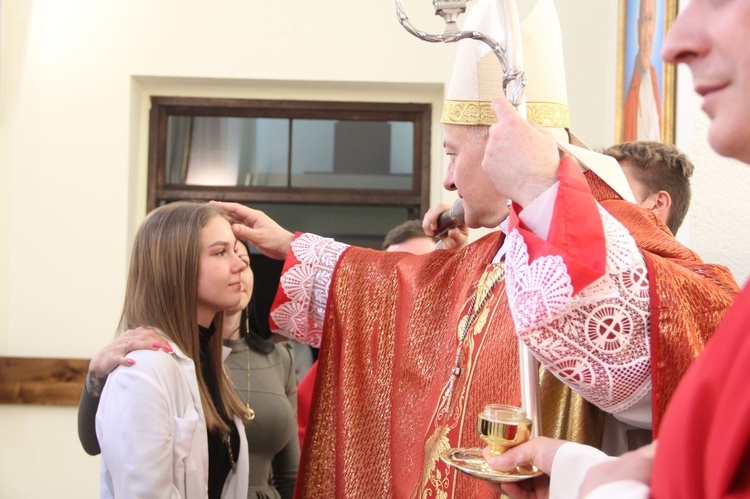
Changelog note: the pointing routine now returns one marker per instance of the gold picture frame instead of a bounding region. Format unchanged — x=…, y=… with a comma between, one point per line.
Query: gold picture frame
x=627, y=52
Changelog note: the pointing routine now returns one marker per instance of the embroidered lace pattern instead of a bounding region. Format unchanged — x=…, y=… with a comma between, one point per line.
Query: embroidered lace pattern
x=306, y=285
x=598, y=341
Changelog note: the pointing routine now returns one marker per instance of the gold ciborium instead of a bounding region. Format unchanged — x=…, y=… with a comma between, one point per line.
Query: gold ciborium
x=503, y=426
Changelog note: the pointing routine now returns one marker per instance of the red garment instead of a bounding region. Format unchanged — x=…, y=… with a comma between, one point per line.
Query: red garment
x=392, y=323
x=630, y=110
x=304, y=401
x=704, y=446
x=583, y=251
x=688, y=297
x=376, y=428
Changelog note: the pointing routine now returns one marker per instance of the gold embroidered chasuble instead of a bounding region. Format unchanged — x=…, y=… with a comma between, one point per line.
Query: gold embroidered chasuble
x=688, y=296
x=382, y=416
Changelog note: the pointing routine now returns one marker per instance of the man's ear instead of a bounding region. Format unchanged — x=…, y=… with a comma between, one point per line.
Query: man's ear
x=659, y=202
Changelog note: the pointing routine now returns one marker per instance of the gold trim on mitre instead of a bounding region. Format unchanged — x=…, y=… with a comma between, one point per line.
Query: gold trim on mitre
x=477, y=77
x=463, y=112
x=546, y=114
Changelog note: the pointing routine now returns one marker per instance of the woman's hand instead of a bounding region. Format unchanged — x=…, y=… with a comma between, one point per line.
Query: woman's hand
x=114, y=355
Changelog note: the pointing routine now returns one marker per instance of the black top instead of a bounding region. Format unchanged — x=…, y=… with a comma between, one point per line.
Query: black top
x=219, y=460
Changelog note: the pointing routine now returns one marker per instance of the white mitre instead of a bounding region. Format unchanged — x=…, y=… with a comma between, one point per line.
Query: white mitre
x=478, y=79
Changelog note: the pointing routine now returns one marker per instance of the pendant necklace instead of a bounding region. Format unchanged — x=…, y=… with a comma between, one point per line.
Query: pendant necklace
x=248, y=410
x=470, y=319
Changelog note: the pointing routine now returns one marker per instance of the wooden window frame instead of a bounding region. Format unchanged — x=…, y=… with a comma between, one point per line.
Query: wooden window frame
x=159, y=191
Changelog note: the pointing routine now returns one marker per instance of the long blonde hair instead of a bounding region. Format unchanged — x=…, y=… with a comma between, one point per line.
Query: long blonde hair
x=162, y=292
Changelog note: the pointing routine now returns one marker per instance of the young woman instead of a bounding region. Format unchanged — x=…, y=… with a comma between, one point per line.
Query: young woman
x=170, y=425
x=264, y=377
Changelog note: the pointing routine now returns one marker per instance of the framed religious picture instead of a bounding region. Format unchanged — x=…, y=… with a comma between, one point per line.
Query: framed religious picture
x=645, y=84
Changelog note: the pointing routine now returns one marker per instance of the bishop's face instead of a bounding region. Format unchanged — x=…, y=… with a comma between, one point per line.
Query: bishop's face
x=484, y=205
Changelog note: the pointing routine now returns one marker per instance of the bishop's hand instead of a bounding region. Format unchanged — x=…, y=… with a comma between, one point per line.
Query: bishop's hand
x=521, y=159
x=258, y=229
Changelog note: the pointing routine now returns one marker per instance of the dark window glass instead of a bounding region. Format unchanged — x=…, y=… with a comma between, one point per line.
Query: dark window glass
x=346, y=169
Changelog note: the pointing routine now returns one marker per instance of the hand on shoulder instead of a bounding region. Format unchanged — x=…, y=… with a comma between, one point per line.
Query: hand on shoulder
x=114, y=355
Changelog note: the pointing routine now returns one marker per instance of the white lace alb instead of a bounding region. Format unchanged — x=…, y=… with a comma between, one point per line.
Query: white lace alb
x=596, y=342
x=306, y=284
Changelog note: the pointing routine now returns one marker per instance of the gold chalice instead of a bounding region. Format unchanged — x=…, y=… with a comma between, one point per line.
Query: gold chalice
x=503, y=426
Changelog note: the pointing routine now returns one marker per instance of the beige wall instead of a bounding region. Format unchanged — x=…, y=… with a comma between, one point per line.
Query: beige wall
x=75, y=78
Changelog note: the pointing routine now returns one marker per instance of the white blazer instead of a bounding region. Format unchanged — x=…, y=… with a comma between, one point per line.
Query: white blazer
x=152, y=432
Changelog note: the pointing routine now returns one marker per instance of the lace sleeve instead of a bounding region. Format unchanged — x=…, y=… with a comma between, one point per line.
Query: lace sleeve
x=300, y=305
x=596, y=341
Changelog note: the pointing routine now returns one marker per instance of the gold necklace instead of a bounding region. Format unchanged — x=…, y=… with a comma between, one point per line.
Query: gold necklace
x=248, y=410
x=473, y=314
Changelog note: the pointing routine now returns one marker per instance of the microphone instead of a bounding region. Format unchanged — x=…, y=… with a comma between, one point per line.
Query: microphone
x=451, y=218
